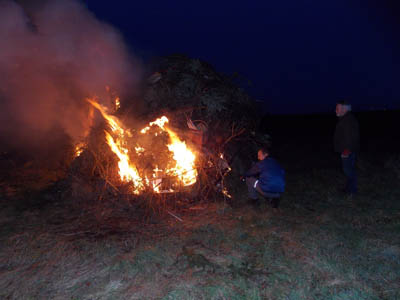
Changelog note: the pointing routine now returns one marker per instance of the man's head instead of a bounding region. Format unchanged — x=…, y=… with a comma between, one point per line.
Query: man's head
x=342, y=107
x=263, y=153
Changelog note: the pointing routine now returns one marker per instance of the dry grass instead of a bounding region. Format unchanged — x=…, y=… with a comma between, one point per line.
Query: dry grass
x=340, y=249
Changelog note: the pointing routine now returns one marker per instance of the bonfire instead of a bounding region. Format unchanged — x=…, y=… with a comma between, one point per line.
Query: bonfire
x=166, y=168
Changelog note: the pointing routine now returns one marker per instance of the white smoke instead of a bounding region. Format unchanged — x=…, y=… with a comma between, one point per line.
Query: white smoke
x=51, y=60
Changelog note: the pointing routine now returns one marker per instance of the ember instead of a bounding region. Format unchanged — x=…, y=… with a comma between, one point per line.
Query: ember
x=79, y=148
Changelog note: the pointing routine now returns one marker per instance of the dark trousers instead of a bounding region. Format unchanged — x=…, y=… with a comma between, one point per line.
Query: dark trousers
x=254, y=191
x=349, y=169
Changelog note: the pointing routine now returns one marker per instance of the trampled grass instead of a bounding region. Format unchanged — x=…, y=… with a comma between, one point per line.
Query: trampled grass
x=319, y=245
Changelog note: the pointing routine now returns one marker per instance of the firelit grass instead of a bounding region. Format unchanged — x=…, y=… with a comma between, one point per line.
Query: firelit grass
x=319, y=245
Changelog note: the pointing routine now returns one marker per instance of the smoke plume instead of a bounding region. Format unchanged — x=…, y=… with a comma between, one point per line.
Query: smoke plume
x=53, y=56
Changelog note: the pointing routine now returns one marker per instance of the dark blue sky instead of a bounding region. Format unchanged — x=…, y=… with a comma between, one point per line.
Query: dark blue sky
x=300, y=55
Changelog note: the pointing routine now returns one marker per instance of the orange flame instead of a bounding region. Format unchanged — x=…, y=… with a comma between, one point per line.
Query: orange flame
x=127, y=172
x=112, y=121
x=183, y=168
x=185, y=159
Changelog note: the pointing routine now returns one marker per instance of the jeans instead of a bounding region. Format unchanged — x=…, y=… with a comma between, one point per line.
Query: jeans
x=349, y=169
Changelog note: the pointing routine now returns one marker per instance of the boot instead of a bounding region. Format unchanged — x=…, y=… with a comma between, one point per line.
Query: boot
x=275, y=202
x=254, y=202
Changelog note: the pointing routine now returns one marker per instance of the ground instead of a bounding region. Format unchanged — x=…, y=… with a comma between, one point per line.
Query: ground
x=319, y=244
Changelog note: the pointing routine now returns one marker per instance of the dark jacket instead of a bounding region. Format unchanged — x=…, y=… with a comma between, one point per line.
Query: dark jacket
x=347, y=135
x=271, y=176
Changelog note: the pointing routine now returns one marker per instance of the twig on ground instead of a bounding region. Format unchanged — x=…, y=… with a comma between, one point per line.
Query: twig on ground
x=175, y=216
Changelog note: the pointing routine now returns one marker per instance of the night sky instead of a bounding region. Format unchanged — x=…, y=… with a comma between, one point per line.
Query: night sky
x=300, y=56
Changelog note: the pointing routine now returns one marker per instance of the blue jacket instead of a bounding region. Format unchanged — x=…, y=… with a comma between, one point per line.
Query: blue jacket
x=271, y=176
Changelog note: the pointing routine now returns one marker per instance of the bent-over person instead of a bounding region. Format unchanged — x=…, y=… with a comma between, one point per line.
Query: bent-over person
x=266, y=178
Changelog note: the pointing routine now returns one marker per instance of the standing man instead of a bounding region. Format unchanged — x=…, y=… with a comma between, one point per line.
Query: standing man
x=347, y=143
x=266, y=177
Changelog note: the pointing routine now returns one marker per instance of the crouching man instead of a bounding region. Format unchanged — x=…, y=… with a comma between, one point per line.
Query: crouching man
x=266, y=178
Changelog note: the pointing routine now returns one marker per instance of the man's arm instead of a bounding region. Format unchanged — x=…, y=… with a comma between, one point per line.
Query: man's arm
x=254, y=171
x=351, y=138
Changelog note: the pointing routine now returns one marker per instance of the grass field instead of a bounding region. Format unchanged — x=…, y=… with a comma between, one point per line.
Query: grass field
x=318, y=245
